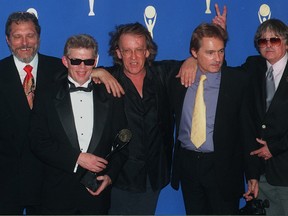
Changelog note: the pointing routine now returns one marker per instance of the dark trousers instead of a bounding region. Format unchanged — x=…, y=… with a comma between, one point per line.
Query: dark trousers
x=201, y=193
x=132, y=203
x=20, y=210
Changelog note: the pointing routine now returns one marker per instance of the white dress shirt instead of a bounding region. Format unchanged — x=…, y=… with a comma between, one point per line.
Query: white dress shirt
x=83, y=111
x=278, y=69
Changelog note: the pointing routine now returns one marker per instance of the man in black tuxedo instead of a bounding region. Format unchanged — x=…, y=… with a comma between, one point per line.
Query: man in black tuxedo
x=20, y=170
x=74, y=120
x=210, y=170
x=269, y=117
x=22, y=183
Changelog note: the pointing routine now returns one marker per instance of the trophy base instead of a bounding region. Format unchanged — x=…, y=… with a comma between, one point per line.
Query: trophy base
x=208, y=11
x=89, y=180
x=91, y=13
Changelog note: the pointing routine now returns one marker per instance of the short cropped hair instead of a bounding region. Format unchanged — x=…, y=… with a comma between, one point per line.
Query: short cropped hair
x=81, y=41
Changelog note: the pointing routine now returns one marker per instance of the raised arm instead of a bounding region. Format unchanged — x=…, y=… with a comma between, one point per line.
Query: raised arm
x=100, y=75
x=188, y=69
x=220, y=19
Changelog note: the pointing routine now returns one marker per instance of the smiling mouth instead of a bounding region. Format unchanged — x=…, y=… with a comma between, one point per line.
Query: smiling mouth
x=24, y=48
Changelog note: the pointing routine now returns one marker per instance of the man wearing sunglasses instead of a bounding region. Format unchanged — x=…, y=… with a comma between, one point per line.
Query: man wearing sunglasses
x=73, y=127
x=267, y=135
x=22, y=183
x=267, y=103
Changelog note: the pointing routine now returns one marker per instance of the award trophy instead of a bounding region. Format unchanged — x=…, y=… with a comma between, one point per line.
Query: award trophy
x=264, y=13
x=33, y=11
x=150, y=16
x=89, y=179
x=208, y=11
x=91, y=6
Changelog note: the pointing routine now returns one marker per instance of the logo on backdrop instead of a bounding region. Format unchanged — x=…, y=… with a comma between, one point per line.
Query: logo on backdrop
x=264, y=13
x=208, y=11
x=33, y=11
x=91, y=6
x=150, y=16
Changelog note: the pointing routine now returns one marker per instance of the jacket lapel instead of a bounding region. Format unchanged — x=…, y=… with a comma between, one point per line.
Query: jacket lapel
x=101, y=109
x=63, y=107
x=281, y=92
x=12, y=83
x=16, y=98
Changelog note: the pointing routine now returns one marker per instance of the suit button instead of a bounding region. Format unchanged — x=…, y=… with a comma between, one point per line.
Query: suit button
x=263, y=126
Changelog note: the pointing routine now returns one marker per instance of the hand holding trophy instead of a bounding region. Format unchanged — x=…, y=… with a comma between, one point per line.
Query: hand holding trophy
x=89, y=179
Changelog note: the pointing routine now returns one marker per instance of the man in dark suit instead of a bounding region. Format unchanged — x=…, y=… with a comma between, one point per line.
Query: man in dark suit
x=269, y=117
x=209, y=169
x=70, y=127
x=20, y=170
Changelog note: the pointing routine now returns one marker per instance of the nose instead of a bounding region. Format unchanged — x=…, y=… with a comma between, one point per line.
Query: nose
x=82, y=65
x=133, y=54
x=24, y=41
x=268, y=43
x=217, y=56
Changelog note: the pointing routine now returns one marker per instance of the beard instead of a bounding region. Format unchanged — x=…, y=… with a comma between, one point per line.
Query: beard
x=27, y=59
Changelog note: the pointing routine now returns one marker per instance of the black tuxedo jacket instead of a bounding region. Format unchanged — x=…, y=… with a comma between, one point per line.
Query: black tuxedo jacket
x=20, y=171
x=271, y=126
x=228, y=149
x=55, y=142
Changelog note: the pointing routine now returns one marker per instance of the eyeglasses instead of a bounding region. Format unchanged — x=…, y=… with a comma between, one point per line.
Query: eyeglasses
x=274, y=41
x=76, y=61
x=129, y=52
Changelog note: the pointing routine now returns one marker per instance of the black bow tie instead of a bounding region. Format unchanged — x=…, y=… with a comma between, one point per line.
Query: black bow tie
x=73, y=88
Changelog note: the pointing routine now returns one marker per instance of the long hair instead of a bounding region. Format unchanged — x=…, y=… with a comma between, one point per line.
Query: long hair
x=131, y=28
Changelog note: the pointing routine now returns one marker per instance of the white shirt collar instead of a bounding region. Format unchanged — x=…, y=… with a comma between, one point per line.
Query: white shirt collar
x=20, y=65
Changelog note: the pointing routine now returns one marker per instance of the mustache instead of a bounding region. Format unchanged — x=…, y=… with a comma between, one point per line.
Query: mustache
x=24, y=47
x=269, y=49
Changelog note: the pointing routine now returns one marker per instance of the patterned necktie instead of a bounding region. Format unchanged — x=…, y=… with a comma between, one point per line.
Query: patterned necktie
x=270, y=87
x=29, y=85
x=198, y=127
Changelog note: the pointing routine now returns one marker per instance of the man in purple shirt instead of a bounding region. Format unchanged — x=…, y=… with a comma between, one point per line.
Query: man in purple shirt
x=211, y=175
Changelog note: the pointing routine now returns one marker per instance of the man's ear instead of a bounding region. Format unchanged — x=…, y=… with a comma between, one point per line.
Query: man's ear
x=194, y=53
x=147, y=54
x=96, y=61
x=65, y=61
x=118, y=53
x=7, y=40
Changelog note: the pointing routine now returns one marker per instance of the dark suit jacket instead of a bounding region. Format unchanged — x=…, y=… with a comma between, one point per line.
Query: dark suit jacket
x=153, y=161
x=20, y=171
x=228, y=149
x=271, y=126
x=55, y=142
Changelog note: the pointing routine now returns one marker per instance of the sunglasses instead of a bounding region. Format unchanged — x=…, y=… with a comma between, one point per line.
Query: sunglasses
x=87, y=62
x=274, y=41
